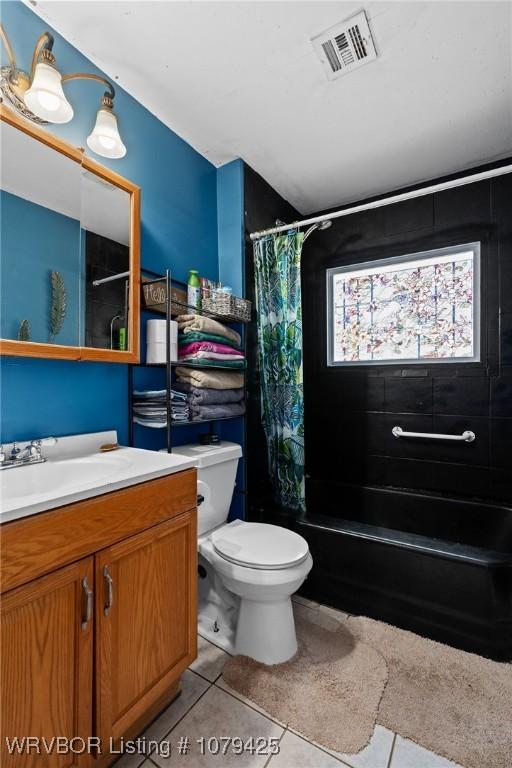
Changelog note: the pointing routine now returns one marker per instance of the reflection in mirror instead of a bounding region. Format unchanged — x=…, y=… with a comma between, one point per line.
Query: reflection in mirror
x=40, y=267
x=105, y=222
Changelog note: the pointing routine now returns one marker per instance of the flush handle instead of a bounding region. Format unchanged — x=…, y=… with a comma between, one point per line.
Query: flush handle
x=88, y=598
x=109, y=590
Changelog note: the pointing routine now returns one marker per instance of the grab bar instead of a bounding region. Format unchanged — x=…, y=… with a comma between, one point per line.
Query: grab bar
x=466, y=437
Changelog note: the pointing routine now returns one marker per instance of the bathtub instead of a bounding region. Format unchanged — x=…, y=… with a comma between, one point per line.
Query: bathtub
x=437, y=566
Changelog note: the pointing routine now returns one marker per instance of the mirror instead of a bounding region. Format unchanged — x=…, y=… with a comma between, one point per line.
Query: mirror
x=69, y=262
x=40, y=269
x=105, y=226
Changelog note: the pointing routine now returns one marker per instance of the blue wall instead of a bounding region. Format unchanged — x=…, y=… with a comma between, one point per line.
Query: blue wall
x=179, y=229
x=230, y=225
x=33, y=241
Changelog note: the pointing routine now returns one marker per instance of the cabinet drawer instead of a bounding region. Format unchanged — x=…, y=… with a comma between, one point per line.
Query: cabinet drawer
x=39, y=544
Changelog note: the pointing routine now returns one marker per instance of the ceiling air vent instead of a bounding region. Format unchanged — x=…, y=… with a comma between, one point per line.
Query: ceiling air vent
x=345, y=46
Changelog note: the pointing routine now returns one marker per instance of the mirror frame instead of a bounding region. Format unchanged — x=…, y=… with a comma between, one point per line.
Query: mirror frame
x=59, y=351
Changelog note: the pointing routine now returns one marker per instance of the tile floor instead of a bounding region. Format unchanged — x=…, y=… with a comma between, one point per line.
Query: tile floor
x=208, y=708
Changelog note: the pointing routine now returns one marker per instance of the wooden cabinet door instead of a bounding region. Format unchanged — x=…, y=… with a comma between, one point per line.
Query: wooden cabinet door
x=146, y=623
x=46, y=667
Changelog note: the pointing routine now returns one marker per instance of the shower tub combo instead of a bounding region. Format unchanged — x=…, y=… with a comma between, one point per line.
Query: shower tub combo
x=438, y=566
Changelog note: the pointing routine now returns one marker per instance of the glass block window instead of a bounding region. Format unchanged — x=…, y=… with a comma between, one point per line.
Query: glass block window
x=415, y=308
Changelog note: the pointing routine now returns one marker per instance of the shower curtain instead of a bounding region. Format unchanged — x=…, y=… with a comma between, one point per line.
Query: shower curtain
x=279, y=312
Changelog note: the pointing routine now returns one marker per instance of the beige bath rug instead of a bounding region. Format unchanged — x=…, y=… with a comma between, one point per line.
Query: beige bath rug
x=456, y=704
x=451, y=702
x=330, y=691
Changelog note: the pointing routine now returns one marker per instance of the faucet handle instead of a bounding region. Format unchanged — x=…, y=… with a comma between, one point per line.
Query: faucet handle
x=44, y=441
x=14, y=451
x=48, y=441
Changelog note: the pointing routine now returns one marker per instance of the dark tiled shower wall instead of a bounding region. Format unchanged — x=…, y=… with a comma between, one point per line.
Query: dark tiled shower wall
x=103, y=258
x=350, y=411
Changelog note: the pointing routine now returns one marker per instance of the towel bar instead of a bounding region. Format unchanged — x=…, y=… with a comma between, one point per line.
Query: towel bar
x=466, y=437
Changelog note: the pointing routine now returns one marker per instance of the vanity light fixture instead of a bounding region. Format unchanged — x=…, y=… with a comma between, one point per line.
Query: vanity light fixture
x=39, y=96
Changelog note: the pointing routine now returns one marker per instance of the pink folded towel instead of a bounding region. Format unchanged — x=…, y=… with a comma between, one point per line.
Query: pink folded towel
x=208, y=346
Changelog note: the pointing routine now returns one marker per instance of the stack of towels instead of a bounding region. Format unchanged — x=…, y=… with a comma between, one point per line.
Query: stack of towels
x=149, y=408
x=204, y=341
x=211, y=394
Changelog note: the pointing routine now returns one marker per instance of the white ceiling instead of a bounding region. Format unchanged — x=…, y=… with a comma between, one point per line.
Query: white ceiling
x=241, y=79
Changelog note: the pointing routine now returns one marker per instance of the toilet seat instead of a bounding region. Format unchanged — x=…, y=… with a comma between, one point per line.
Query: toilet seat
x=259, y=546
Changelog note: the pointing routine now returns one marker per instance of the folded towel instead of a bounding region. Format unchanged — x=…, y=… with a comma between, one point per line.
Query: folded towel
x=208, y=346
x=153, y=424
x=186, y=338
x=217, y=411
x=149, y=407
x=192, y=323
x=157, y=413
x=211, y=379
x=156, y=396
x=211, y=358
x=205, y=396
x=202, y=354
x=159, y=424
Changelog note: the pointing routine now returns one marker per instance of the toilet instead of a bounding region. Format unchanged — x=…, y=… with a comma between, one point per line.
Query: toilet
x=247, y=571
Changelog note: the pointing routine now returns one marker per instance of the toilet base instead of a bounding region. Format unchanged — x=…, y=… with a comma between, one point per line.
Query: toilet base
x=218, y=632
x=248, y=611
x=266, y=631
x=217, y=609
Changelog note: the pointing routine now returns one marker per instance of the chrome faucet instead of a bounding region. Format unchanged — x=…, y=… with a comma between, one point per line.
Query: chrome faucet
x=30, y=454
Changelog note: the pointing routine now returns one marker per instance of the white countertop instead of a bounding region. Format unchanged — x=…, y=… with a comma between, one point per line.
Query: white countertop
x=75, y=470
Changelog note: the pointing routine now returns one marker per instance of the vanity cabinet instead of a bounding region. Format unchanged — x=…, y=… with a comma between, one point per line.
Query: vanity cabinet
x=145, y=634
x=47, y=661
x=96, y=647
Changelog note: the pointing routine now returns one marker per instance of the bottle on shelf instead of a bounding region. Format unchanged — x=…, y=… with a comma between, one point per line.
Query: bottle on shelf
x=194, y=289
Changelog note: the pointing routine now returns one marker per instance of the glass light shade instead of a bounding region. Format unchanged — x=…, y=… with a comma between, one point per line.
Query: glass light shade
x=105, y=139
x=45, y=97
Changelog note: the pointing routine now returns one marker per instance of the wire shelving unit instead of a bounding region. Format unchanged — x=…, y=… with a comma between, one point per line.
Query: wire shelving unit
x=168, y=364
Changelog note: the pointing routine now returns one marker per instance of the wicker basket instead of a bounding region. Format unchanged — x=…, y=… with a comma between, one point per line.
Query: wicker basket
x=229, y=307
x=154, y=296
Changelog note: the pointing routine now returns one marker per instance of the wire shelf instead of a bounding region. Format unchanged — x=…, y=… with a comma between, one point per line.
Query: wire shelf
x=191, y=422
x=187, y=309
x=179, y=364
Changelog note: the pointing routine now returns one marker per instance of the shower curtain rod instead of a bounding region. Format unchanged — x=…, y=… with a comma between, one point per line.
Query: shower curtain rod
x=386, y=201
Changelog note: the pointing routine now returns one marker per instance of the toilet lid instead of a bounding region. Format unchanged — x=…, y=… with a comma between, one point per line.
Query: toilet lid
x=258, y=545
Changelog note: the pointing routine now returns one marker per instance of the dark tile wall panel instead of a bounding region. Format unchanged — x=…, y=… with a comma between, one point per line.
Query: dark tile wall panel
x=409, y=395
x=459, y=395
x=355, y=408
x=350, y=411
x=103, y=258
x=501, y=396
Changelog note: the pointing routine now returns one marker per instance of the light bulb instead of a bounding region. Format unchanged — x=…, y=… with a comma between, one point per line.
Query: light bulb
x=105, y=139
x=106, y=142
x=45, y=97
x=48, y=101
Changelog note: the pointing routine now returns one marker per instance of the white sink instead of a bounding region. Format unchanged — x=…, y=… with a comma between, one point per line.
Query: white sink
x=52, y=475
x=75, y=469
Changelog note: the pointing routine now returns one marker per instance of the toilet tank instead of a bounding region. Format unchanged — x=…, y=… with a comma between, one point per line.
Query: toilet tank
x=216, y=475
